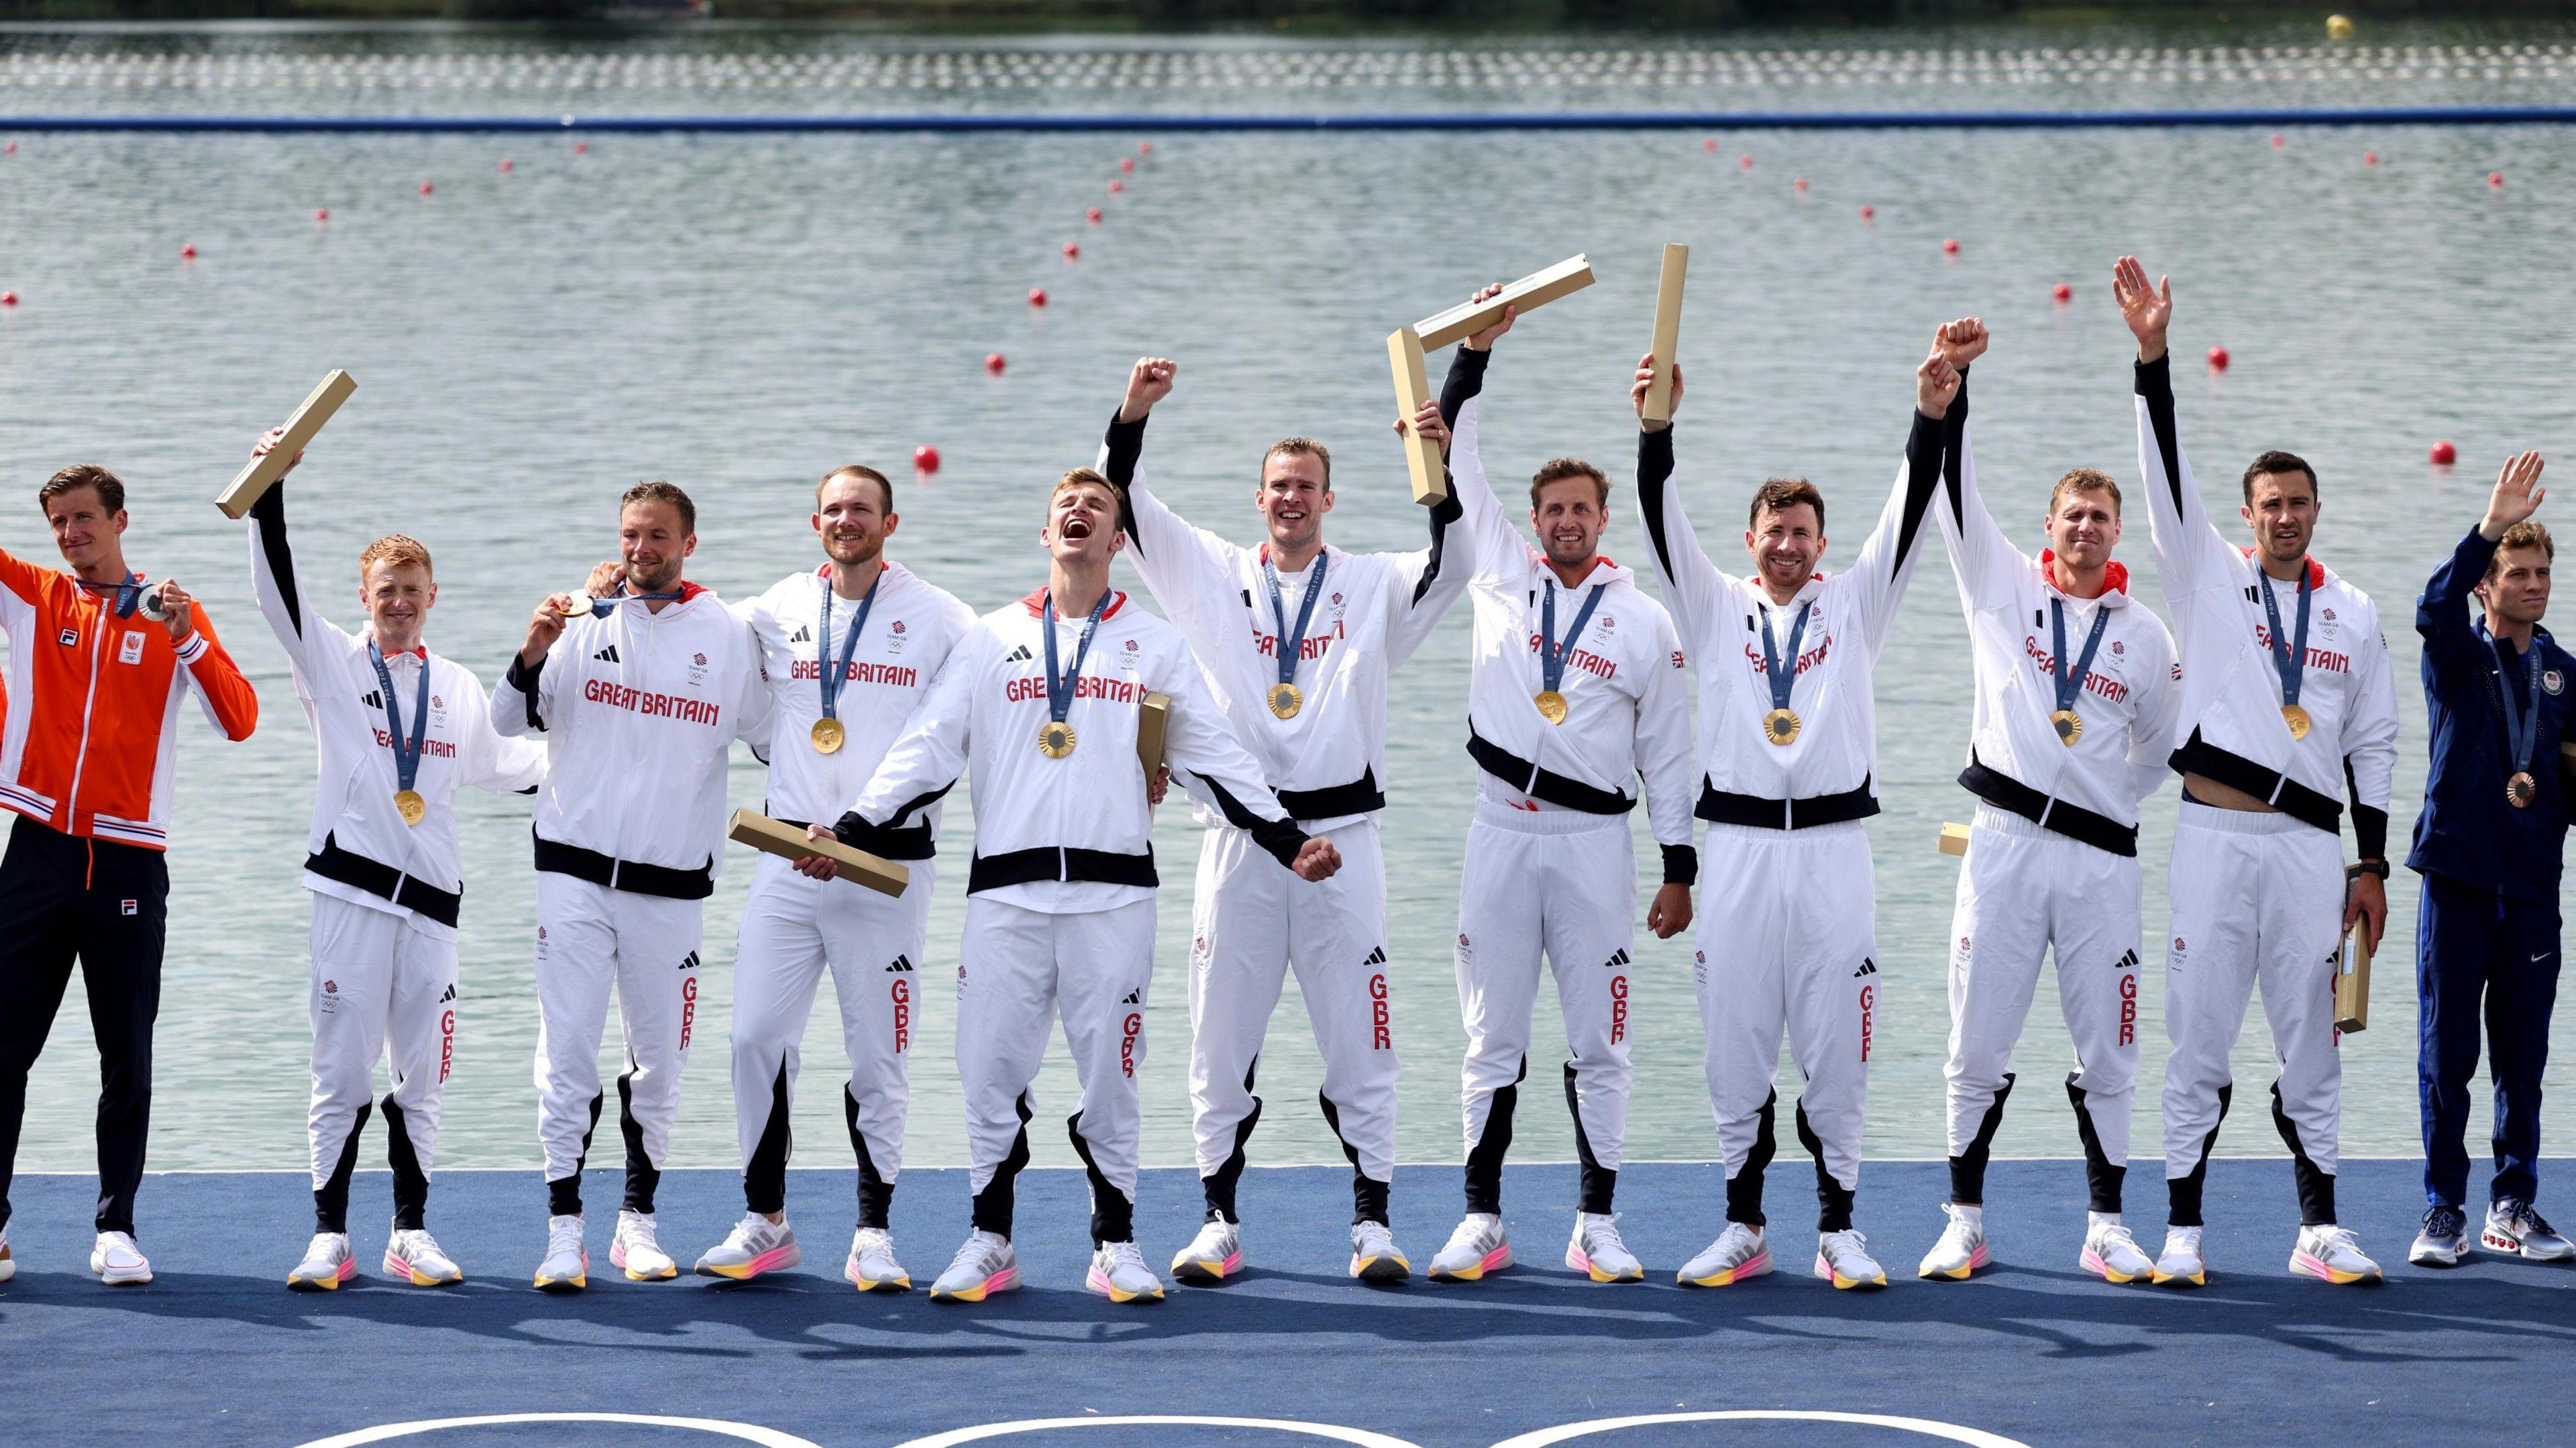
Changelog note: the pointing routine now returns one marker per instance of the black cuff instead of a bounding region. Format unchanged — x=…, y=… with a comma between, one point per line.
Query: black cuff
x=1681, y=864
x=1466, y=379
x=1282, y=839
x=1126, y=443
x=2370, y=832
x=2155, y=379
x=522, y=676
x=854, y=831
x=1654, y=457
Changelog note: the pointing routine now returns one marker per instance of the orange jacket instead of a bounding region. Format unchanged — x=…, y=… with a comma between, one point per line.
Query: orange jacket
x=89, y=745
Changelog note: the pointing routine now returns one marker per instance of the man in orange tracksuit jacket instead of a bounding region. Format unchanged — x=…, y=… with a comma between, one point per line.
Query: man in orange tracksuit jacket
x=98, y=662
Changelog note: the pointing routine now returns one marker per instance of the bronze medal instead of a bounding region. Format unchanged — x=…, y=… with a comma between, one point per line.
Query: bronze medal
x=414, y=809
x=1551, y=705
x=2521, y=790
x=1781, y=726
x=1055, y=739
x=1286, y=700
x=2069, y=726
x=829, y=736
x=2297, y=718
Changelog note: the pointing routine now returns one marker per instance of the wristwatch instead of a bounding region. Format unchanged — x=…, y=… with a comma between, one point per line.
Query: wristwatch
x=2366, y=867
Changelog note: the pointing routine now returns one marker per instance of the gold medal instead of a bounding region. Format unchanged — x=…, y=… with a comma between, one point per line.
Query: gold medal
x=1781, y=726
x=414, y=809
x=829, y=736
x=2069, y=726
x=1286, y=700
x=2521, y=790
x=574, y=606
x=2297, y=719
x=1055, y=739
x=1551, y=705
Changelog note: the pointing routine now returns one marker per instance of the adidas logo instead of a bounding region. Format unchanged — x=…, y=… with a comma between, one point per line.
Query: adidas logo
x=447, y=995
x=2128, y=961
x=803, y=635
x=691, y=963
x=1867, y=967
x=1134, y=998
x=1020, y=655
x=372, y=699
x=1376, y=957
x=1616, y=960
x=607, y=655
x=902, y=963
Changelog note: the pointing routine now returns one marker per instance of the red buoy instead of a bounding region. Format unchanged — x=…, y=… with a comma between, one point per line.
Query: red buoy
x=1126, y=163
x=1709, y=145
x=1092, y=216
x=994, y=362
x=1868, y=213
x=2065, y=293
x=1800, y=183
x=925, y=459
x=2495, y=179
x=1949, y=247
x=581, y=148
x=8, y=299
x=426, y=188
x=1037, y=296
x=1117, y=186
x=1145, y=146
x=505, y=165
x=1071, y=251
x=321, y=213
x=187, y=251
x=10, y=149
x=2370, y=158
x=2276, y=141
x=2217, y=359
x=1746, y=163
x=2443, y=454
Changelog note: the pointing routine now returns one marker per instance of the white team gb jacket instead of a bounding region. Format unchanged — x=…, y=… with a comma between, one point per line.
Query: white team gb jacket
x=911, y=627
x=2129, y=697
x=1068, y=835
x=2230, y=728
x=1328, y=762
x=1833, y=758
x=1626, y=699
x=640, y=711
x=358, y=839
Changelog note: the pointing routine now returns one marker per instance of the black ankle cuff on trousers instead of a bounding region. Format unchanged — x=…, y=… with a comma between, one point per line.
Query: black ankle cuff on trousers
x=1368, y=1200
x=563, y=1197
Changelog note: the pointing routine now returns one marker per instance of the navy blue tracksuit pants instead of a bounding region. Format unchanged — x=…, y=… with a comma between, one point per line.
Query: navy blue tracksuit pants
x=2483, y=960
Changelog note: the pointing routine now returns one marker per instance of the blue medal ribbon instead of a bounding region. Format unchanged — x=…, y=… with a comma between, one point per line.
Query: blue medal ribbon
x=603, y=607
x=2521, y=730
x=1551, y=659
x=406, y=754
x=128, y=593
x=2071, y=686
x=1782, y=680
x=1292, y=644
x=2290, y=658
x=833, y=676
x=1060, y=690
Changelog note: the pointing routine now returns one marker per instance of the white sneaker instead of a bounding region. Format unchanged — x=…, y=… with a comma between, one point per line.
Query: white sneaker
x=1476, y=1248
x=413, y=1256
x=327, y=1263
x=1597, y=1251
x=566, y=1267
x=1738, y=1253
x=984, y=1266
x=2330, y=1254
x=2180, y=1264
x=1962, y=1248
x=118, y=1262
x=872, y=1266
x=8, y=1264
x=2111, y=1253
x=1374, y=1255
x=755, y=1245
x=2516, y=1230
x=1842, y=1258
x=638, y=1248
x=1212, y=1256
x=2443, y=1241
x=1118, y=1272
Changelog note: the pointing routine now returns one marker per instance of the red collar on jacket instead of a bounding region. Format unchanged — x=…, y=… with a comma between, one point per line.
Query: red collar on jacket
x=1035, y=603
x=2115, y=576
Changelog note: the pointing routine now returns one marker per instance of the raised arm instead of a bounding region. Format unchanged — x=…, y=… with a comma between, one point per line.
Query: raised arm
x=1886, y=561
x=1428, y=580
x=308, y=638
x=1694, y=587
x=2191, y=555
x=2442, y=614
x=1212, y=764
x=1986, y=562
x=1497, y=545
x=1189, y=569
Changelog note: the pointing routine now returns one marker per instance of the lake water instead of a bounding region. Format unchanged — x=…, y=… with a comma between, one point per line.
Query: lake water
x=740, y=313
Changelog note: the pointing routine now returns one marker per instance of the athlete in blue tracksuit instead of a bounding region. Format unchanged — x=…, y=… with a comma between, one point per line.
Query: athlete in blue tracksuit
x=2489, y=845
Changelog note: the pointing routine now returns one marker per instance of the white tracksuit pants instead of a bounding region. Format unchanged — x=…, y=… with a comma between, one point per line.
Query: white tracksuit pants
x=2256, y=897
x=2022, y=890
x=1251, y=921
x=588, y=937
x=1561, y=884
x=380, y=988
x=793, y=929
x=1788, y=938
x=1017, y=970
